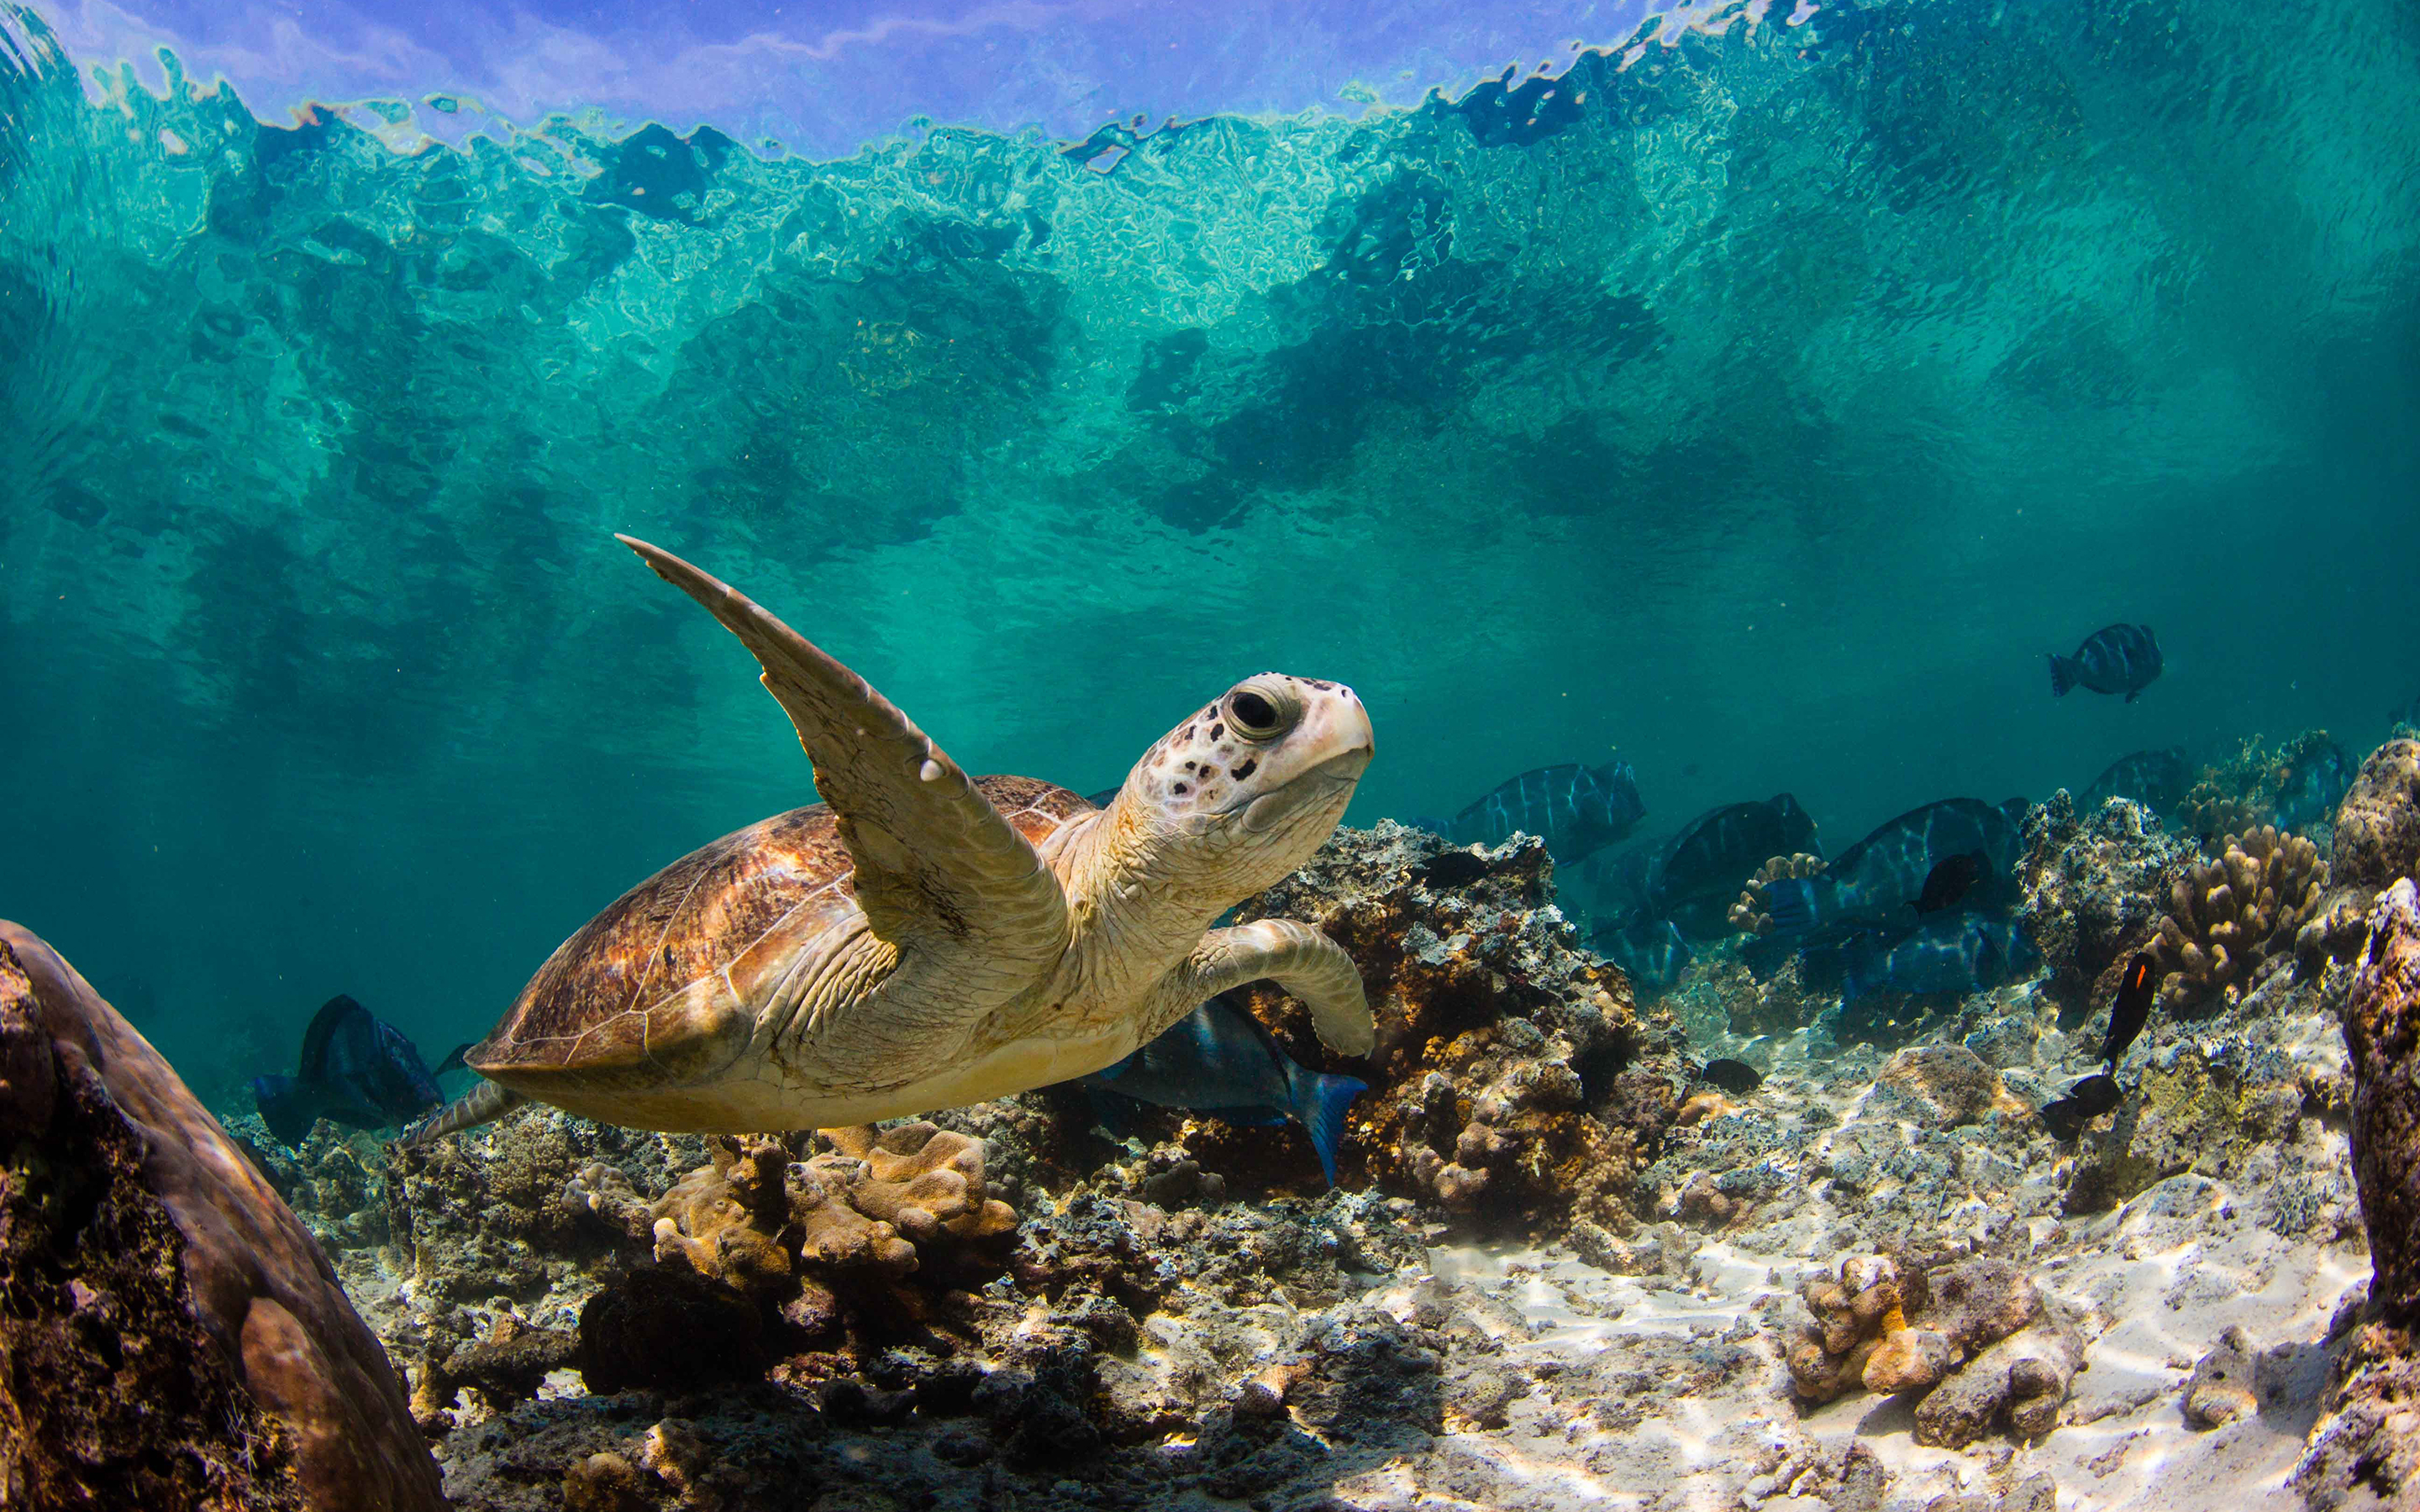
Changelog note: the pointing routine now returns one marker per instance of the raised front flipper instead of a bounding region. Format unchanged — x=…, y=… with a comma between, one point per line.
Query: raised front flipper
x=936, y=865
x=1312, y=968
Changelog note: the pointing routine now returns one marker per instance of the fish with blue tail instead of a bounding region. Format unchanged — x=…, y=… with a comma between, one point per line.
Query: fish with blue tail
x=1882, y=879
x=1946, y=953
x=1578, y=811
x=2157, y=780
x=1220, y=1059
x=1650, y=951
x=2118, y=659
x=2315, y=780
x=356, y=1071
x=1696, y=876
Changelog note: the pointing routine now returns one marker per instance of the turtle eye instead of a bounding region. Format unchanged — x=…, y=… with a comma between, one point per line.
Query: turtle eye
x=1254, y=716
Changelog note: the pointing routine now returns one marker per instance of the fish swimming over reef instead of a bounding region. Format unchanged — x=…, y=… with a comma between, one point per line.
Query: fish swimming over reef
x=1736, y=1077
x=2157, y=780
x=356, y=1071
x=2118, y=659
x=1696, y=876
x=1650, y=951
x=2315, y=780
x=1881, y=875
x=1218, y=1059
x=2088, y=1099
x=1575, y=809
x=1946, y=953
x=2131, y=1008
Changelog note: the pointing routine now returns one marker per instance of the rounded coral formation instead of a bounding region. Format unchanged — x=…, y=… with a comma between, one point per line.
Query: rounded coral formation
x=2228, y=915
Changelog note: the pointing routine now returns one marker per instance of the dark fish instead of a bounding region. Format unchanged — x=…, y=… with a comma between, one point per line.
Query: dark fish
x=2157, y=780
x=1575, y=809
x=2086, y=1099
x=2121, y=659
x=1697, y=875
x=1736, y=1077
x=1951, y=878
x=2131, y=1008
x=1946, y=953
x=1452, y=869
x=1878, y=876
x=1218, y=1059
x=356, y=1071
x=1650, y=952
x=2315, y=782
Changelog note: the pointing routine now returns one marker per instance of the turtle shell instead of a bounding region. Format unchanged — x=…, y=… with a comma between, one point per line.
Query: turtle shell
x=667, y=984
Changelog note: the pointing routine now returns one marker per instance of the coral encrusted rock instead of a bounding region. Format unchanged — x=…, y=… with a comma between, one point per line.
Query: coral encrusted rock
x=2382, y=1028
x=2228, y=915
x=175, y=1338
x=2378, y=827
x=1513, y=1079
x=2094, y=885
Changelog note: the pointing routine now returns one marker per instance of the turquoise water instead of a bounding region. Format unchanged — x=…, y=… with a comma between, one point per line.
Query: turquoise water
x=1759, y=405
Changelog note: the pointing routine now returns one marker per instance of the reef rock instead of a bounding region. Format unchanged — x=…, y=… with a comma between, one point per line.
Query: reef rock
x=1513, y=1076
x=2382, y=1027
x=2094, y=886
x=2378, y=827
x=175, y=1337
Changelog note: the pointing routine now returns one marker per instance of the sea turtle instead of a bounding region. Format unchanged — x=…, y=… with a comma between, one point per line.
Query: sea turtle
x=922, y=938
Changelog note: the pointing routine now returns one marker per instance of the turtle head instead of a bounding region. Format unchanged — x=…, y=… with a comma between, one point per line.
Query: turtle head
x=1240, y=794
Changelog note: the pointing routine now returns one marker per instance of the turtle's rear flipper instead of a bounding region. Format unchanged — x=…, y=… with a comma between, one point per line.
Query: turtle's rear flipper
x=482, y=1103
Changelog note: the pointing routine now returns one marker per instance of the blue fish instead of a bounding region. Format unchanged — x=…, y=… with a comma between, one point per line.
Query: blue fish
x=1218, y=1059
x=2157, y=780
x=1650, y=951
x=1946, y=953
x=1575, y=809
x=356, y=1071
x=1881, y=876
x=2315, y=782
x=1696, y=875
x=2120, y=658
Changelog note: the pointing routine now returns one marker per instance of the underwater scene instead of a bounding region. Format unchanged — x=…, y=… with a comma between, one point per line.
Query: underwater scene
x=1541, y=757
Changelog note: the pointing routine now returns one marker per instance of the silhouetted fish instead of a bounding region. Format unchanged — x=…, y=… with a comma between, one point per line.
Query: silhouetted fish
x=356, y=1071
x=1946, y=953
x=1951, y=878
x=2086, y=1099
x=2157, y=780
x=1101, y=799
x=1875, y=878
x=1650, y=951
x=2120, y=658
x=2131, y=1008
x=1696, y=876
x=2315, y=782
x=1575, y=809
x=1735, y=1076
x=1218, y=1059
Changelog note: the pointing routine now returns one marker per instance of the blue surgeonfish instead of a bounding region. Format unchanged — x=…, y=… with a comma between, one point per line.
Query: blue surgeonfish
x=1218, y=1059
x=356, y=1071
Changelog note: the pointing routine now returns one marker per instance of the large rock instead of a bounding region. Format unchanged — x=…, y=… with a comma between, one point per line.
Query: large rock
x=2381, y=1030
x=2378, y=828
x=172, y=1334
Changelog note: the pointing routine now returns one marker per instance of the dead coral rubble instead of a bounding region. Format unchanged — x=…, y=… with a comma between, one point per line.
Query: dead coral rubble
x=174, y=1336
x=1976, y=1337
x=1513, y=1076
x=2228, y=915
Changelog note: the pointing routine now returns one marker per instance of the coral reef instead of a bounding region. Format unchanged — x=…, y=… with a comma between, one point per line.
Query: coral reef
x=1749, y=914
x=1513, y=1078
x=2378, y=827
x=2094, y=886
x=173, y=1335
x=1976, y=1337
x=2228, y=915
x=2381, y=1030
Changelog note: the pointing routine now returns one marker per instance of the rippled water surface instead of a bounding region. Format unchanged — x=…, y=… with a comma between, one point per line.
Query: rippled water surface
x=1759, y=402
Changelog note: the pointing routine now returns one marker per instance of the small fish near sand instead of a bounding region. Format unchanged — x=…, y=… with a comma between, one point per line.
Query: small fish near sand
x=1218, y=1059
x=356, y=1071
x=2118, y=659
x=2088, y=1099
x=1578, y=811
x=1736, y=1077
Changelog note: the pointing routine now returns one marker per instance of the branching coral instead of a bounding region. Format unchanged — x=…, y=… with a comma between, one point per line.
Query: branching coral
x=1749, y=914
x=2226, y=917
